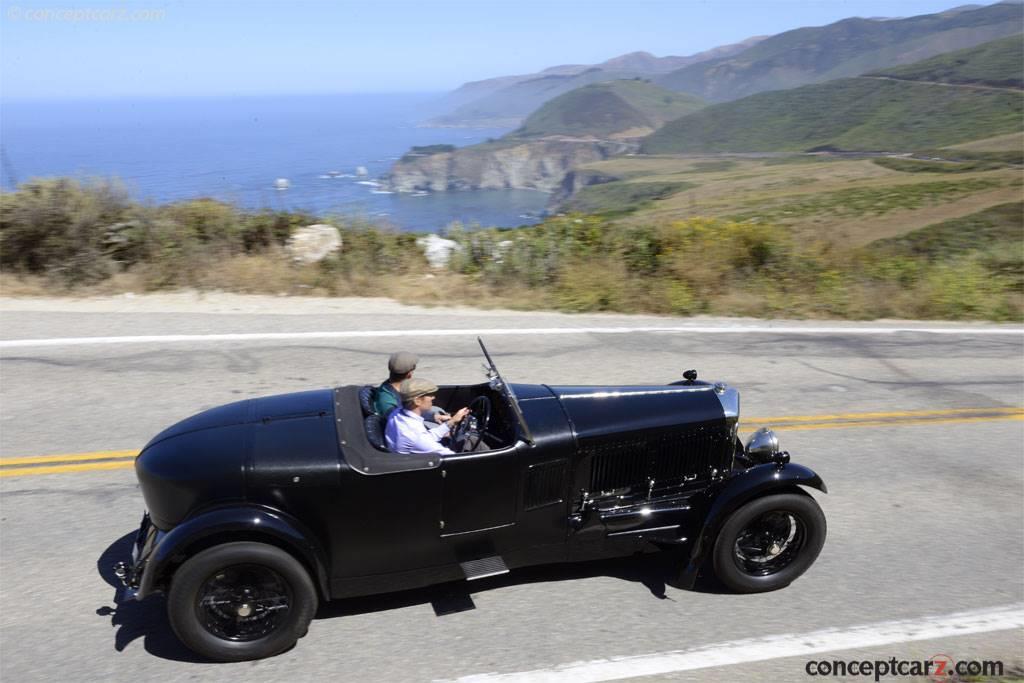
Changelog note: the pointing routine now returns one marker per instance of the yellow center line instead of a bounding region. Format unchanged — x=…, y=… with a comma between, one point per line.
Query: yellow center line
x=896, y=423
x=860, y=416
x=113, y=460
x=56, y=469
x=70, y=457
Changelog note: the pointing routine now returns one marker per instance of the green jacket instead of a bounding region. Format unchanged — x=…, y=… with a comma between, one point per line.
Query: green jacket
x=386, y=399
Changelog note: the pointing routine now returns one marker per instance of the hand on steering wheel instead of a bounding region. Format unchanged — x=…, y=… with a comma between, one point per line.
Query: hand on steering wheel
x=470, y=430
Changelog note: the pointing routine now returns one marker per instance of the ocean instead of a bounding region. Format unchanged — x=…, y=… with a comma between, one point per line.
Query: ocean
x=236, y=148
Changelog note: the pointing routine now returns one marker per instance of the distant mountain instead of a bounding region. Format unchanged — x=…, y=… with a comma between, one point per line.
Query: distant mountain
x=997, y=63
x=613, y=109
x=846, y=48
x=868, y=113
x=507, y=100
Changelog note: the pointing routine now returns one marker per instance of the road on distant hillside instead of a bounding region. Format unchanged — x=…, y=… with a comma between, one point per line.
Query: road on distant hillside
x=925, y=505
x=973, y=86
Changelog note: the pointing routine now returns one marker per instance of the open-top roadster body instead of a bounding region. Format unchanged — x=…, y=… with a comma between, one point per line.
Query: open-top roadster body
x=258, y=510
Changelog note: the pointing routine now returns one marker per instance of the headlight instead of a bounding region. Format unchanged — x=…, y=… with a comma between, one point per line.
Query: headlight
x=762, y=446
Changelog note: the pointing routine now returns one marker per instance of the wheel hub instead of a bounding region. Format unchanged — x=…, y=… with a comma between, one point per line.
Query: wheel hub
x=769, y=543
x=244, y=602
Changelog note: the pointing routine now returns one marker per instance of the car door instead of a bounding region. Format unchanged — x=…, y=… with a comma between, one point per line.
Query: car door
x=479, y=491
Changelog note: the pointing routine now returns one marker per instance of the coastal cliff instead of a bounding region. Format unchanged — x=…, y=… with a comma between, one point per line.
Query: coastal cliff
x=538, y=164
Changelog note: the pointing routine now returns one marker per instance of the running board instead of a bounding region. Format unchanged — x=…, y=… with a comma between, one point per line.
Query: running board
x=484, y=567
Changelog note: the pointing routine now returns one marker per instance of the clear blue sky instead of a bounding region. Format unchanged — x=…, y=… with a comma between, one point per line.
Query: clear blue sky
x=229, y=47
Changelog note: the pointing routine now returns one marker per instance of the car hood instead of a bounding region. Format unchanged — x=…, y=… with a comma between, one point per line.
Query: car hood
x=599, y=411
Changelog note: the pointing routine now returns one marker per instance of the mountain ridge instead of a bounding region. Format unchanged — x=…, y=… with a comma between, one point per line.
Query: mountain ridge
x=845, y=48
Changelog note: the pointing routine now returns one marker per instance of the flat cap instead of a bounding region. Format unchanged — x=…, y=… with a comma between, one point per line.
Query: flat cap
x=416, y=387
x=402, y=362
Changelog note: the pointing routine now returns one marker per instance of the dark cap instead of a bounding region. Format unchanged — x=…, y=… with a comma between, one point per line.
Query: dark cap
x=402, y=362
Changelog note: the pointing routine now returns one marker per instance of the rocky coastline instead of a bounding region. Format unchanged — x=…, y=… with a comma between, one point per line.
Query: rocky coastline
x=540, y=164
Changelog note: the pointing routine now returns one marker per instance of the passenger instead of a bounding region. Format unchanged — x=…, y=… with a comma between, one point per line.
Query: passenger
x=386, y=399
x=406, y=430
x=400, y=367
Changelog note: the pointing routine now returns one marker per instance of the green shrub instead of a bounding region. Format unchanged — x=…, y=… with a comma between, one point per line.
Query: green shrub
x=77, y=234
x=57, y=227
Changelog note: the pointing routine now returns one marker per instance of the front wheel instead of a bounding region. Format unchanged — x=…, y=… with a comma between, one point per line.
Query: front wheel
x=769, y=542
x=240, y=601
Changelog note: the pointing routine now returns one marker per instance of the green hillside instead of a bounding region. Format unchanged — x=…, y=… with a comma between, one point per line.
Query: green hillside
x=604, y=109
x=515, y=102
x=998, y=63
x=846, y=48
x=864, y=114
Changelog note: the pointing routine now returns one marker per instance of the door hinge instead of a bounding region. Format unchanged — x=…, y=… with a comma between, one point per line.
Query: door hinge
x=444, y=473
x=442, y=523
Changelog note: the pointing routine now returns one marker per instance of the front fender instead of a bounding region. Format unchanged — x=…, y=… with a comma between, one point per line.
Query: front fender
x=753, y=483
x=228, y=524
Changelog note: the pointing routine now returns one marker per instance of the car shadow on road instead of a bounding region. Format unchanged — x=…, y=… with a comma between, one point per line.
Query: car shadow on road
x=654, y=572
x=146, y=619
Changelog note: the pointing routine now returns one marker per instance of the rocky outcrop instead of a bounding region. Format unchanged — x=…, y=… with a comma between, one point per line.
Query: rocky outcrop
x=506, y=164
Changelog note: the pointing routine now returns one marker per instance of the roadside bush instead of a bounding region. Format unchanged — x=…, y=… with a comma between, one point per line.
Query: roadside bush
x=80, y=235
x=56, y=227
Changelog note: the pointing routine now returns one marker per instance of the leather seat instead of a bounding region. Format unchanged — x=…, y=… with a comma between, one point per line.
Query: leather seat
x=372, y=422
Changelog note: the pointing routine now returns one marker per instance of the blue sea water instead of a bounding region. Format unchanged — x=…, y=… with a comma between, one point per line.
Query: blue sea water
x=234, y=149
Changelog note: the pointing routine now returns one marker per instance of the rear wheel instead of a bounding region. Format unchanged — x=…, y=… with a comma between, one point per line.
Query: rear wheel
x=240, y=601
x=769, y=542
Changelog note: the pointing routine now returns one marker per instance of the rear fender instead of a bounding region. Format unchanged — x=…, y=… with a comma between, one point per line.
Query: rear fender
x=226, y=525
x=758, y=481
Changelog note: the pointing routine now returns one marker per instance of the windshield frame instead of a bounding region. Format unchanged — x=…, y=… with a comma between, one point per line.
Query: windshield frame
x=498, y=383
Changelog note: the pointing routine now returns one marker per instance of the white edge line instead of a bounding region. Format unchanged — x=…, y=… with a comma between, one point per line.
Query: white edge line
x=1002, y=618
x=369, y=334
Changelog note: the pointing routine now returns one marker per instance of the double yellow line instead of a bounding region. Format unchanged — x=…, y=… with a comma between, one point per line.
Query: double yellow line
x=795, y=423
x=70, y=462
x=115, y=460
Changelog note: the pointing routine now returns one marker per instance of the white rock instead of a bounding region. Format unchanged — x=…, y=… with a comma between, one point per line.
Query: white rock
x=437, y=249
x=500, y=249
x=313, y=243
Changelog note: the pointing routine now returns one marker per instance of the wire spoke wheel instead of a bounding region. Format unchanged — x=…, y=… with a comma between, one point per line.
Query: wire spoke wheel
x=243, y=602
x=769, y=543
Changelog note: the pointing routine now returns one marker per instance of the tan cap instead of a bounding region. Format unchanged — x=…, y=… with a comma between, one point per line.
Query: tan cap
x=402, y=362
x=415, y=387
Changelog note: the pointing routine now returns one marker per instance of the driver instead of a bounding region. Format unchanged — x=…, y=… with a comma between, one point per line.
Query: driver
x=406, y=431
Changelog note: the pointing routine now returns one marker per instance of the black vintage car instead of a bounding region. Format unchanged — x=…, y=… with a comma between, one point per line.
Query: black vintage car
x=258, y=510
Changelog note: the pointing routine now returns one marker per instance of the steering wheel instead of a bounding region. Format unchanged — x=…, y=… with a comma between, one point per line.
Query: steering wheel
x=470, y=430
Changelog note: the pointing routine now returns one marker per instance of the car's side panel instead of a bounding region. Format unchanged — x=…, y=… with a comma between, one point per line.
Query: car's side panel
x=385, y=524
x=746, y=485
x=393, y=520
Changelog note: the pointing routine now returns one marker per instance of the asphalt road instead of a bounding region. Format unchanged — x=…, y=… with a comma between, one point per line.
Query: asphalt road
x=926, y=516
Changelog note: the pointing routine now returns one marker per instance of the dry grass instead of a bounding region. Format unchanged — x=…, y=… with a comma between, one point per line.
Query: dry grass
x=752, y=185
x=999, y=143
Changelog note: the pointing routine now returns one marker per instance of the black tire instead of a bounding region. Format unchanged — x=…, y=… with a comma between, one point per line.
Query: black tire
x=796, y=524
x=205, y=597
